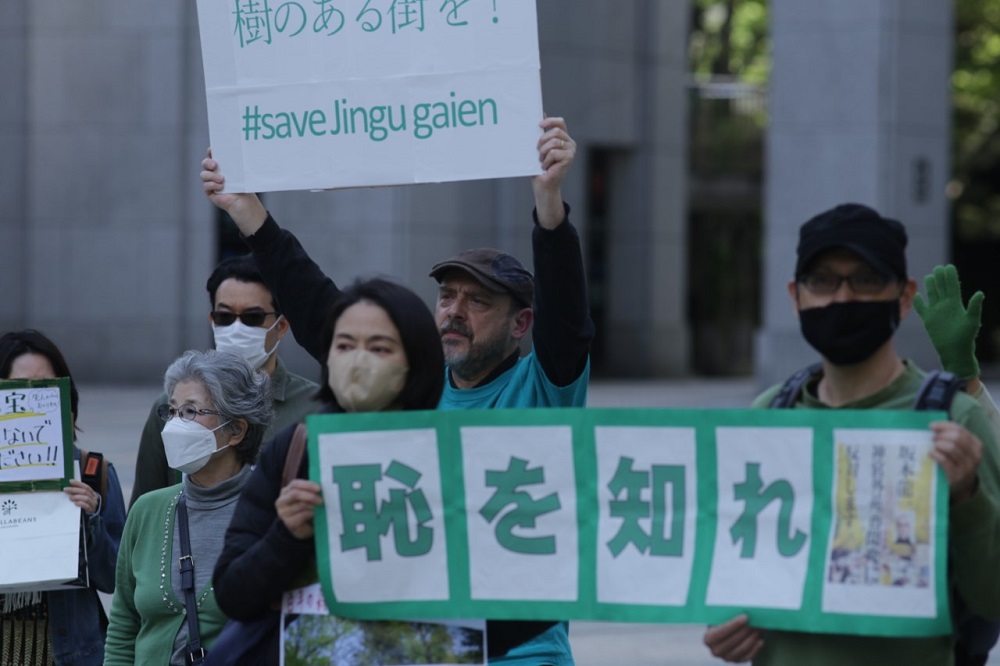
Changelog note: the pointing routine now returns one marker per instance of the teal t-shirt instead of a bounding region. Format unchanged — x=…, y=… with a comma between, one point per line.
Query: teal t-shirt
x=525, y=385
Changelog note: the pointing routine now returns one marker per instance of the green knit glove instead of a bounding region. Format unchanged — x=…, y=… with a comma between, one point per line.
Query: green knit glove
x=951, y=326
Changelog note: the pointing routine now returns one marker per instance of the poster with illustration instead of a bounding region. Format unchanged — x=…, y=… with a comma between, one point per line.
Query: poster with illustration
x=883, y=524
x=314, y=637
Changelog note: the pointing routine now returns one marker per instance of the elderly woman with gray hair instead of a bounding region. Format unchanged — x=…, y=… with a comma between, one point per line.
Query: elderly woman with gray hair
x=218, y=411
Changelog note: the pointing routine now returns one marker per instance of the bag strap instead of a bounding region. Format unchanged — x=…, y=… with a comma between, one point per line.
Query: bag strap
x=937, y=391
x=94, y=472
x=789, y=391
x=293, y=459
x=974, y=635
x=196, y=653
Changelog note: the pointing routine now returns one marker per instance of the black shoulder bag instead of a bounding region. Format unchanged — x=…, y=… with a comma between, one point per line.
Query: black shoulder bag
x=196, y=653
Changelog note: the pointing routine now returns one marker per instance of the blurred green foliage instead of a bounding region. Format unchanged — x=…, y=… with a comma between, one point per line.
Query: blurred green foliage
x=730, y=38
x=976, y=121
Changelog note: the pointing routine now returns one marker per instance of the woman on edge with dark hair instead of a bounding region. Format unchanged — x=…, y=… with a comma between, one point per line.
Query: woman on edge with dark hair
x=62, y=626
x=383, y=353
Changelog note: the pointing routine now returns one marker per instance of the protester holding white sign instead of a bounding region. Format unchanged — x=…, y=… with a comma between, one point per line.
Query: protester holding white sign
x=382, y=353
x=64, y=626
x=850, y=291
x=487, y=305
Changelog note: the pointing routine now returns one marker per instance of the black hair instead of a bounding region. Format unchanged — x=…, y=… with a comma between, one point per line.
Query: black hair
x=242, y=268
x=15, y=344
x=418, y=333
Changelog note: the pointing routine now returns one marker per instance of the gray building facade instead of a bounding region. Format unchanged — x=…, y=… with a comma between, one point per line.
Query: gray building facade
x=106, y=239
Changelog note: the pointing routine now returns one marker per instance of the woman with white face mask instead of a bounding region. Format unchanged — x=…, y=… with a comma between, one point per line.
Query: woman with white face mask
x=218, y=411
x=383, y=353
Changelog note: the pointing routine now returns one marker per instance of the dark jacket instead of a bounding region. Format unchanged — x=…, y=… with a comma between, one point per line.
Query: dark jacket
x=561, y=338
x=260, y=558
x=77, y=623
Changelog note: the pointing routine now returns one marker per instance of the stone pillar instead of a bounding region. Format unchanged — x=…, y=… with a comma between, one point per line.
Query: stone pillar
x=859, y=109
x=632, y=57
x=113, y=269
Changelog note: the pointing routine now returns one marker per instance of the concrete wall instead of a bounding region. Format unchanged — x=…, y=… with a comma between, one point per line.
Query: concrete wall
x=99, y=244
x=13, y=159
x=859, y=112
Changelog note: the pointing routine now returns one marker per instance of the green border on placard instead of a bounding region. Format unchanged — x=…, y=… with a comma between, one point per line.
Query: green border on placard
x=66, y=422
x=810, y=617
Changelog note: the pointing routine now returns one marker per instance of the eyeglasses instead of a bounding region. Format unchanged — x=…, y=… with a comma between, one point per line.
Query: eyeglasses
x=223, y=318
x=825, y=284
x=186, y=412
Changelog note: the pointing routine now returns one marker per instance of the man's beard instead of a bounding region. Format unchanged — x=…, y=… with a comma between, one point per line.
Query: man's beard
x=480, y=356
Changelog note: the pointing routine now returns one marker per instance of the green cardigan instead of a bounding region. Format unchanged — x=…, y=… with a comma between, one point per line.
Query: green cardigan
x=145, y=613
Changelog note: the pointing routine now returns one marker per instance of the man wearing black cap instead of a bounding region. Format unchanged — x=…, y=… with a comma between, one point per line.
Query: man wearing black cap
x=850, y=291
x=487, y=304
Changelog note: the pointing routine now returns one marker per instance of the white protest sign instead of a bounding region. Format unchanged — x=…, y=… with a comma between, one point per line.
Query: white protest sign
x=32, y=432
x=362, y=566
x=40, y=532
x=319, y=94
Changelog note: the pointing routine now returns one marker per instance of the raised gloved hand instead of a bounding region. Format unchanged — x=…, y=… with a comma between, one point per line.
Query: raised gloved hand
x=951, y=326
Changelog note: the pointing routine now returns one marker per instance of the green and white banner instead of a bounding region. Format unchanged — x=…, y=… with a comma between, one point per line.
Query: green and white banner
x=826, y=521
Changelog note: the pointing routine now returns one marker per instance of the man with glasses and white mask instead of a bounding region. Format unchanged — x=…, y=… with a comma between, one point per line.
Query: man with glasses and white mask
x=246, y=321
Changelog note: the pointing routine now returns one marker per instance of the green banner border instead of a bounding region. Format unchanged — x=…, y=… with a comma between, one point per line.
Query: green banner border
x=583, y=422
x=62, y=383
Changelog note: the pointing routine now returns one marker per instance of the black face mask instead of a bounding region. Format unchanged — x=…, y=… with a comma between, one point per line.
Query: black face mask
x=850, y=332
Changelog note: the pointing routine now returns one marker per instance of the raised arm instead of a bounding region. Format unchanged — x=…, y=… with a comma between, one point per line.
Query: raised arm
x=303, y=291
x=245, y=209
x=563, y=329
x=951, y=325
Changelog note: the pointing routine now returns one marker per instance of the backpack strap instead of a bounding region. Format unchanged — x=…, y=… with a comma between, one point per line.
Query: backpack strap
x=789, y=391
x=293, y=459
x=974, y=636
x=94, y=472
x=937, y=391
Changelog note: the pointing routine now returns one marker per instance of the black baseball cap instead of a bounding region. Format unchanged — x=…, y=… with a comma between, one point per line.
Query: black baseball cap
x=495, y=270
x=880, y=241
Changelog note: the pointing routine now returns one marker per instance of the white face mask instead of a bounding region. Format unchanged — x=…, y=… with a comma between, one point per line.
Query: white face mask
x=245, y=341
x=188, y=444
x=364, y=382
